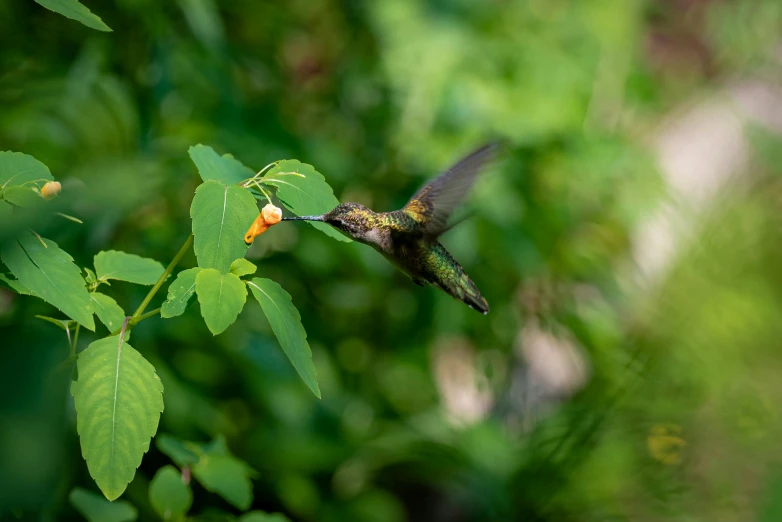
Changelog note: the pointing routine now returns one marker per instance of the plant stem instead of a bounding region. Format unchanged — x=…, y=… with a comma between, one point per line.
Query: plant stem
x=136, y=320
x=75, y=340
x=140, y=318
x=162, y=278
x=268, y=197
x=68, y=335
x=67, y=363
x=122, y=330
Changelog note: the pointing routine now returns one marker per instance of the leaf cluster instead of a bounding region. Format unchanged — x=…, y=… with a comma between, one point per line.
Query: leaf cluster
x=117, y=394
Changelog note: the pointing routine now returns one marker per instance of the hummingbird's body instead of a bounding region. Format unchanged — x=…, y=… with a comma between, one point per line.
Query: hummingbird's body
x=402, y=240
x=409, y=237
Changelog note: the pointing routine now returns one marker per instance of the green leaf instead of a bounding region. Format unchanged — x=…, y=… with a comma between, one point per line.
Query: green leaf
x=242, y=267
x=22, y=196
x=181, y=452
x=221, y=216
x=75, y=11
x=122, y=266
x=213, y=167
x=97, y=509
x=179, y=293
x=13, y=284
x=18, y=169
x=5, y=210
x=285, y=321
x=213, y=466
x=227, y=476
x=221, y=296
x=118, y=399
x=169, y=495
x=50, y=274
x=108, y=311
x=260, y=516
x=304, y=191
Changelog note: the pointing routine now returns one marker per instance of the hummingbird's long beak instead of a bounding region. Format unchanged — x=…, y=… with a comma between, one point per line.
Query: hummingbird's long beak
x=303, y=218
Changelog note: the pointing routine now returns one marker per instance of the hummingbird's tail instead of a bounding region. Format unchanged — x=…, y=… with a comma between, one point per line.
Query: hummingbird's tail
x=472, y=296
x=442, y=270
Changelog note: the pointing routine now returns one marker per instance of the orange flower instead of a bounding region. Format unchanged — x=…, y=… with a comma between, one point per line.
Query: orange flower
x=270, y=215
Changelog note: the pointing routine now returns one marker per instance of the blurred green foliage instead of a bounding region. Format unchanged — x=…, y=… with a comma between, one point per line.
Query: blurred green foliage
x=429, y=410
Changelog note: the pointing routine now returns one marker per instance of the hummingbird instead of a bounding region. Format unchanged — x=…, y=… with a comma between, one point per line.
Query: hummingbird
x=409, y=237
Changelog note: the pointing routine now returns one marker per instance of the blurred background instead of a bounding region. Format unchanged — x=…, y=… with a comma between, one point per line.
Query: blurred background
x=630, y=246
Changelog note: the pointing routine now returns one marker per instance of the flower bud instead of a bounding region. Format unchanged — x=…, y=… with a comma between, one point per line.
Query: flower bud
x=51, y=189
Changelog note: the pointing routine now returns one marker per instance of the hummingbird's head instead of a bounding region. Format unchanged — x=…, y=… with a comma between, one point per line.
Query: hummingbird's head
x=352, y=219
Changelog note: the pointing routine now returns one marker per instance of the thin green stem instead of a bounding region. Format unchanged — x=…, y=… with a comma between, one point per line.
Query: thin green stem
x=267, y=167
x=70, y=218
x=170, y=268
x=37, y=235
x=136, y=320
x=249, y=181
x=140, y=318
x=75, y=341
x=268, y=197
x=71, y=359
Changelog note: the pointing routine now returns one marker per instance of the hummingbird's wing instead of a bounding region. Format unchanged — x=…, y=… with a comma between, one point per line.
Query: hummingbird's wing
x=433, y=204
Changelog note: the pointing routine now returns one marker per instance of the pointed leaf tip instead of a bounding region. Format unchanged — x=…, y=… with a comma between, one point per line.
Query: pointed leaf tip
x=286, y=324
x=75, y=11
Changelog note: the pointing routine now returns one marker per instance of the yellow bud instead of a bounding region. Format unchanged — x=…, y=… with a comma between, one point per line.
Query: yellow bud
x=51, y=189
